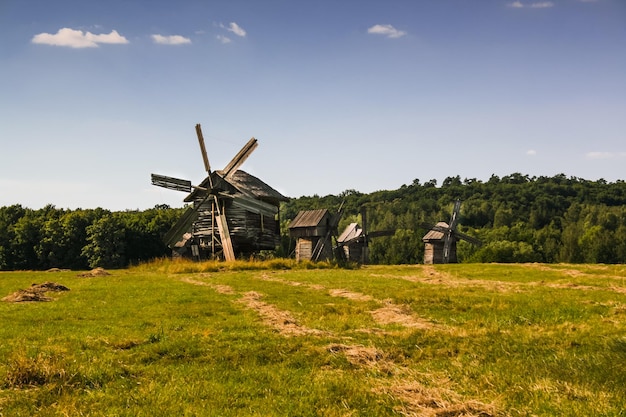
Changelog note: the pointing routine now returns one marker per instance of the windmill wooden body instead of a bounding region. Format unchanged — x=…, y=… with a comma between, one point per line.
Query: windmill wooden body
x=232, y=213
x=354, y=240
x=440, y=241
x=314, y=231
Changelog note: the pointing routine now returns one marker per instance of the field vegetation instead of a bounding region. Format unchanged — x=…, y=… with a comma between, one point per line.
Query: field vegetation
x=278, y=338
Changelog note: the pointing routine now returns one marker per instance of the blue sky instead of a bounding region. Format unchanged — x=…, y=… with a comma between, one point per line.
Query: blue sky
x=364, y=95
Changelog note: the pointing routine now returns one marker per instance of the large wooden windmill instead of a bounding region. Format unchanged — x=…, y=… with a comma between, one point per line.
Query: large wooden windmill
x=232, y=212
x=441, y=239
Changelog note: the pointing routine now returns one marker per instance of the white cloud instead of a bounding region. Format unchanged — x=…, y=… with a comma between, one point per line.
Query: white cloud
x=386, y=30
x=531, y=152
x=223, y=39
x=537, y=5
x=235, y=28
x=78, y=39
x=605, y=155
x=170, y=40
x=542, y=5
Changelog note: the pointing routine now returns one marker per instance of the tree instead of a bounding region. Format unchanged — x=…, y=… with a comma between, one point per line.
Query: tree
x=106, y=245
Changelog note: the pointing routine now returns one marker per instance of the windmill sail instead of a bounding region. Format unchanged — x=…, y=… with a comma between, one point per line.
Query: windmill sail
x=171, y=183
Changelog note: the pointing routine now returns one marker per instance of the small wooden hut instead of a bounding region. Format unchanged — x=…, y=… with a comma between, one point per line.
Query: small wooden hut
x=312, y=230
x=434, y=245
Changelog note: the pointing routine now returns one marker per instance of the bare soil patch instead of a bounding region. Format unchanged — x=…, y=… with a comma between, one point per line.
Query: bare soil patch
x=266, y=277
x=278, y=319
x=357, y=355
x=350, y=295
x=220, y=288
x=438, y=401
x=96, y=272
x=36, y=292
x=395, y=314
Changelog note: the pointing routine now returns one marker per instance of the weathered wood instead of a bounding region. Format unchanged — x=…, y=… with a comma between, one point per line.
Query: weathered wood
x=205, y=157
x=171, y=183
x=240, y=158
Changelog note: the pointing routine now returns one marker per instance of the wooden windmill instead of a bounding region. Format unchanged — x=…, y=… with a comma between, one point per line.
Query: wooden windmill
x=354, y=240
x=314, y=231
x=441, y=239
x=232, y=212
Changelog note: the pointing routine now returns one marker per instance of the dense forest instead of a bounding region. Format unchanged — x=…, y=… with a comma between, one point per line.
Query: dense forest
x=518, y=218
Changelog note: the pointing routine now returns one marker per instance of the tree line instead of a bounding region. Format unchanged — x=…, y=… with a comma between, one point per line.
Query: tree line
x=518, y=218
x=79, y=239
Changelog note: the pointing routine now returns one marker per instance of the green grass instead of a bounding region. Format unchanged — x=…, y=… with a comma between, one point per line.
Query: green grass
x=177, y=338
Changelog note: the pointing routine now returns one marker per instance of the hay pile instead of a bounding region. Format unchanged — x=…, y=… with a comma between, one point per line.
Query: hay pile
x=96, y=272
x=36, y=292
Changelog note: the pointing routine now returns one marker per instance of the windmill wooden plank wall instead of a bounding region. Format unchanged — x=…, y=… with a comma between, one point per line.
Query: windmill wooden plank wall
x=311, y=229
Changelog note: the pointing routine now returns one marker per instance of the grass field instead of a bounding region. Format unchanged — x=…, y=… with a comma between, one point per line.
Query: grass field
x=272, y=339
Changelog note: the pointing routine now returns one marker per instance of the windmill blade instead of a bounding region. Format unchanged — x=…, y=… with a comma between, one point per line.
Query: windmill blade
x=240, y=158
x=454, y=219
x=171, y=183
x=380, y=233
x=468, y=238
x=447, y=244
x=365, y=253
x=205, y=157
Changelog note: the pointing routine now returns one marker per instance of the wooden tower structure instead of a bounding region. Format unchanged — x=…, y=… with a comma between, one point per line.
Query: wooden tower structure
x=232, y=213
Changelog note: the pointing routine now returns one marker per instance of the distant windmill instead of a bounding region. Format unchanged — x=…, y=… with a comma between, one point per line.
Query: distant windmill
x=354, y=240
x=232, y=213
x=441, y=239
x=314, y=231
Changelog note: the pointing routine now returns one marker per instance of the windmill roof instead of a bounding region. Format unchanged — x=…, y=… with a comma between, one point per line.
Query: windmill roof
x=308, y=218
x=352, y=231
x=435, y=234
x=243, y=182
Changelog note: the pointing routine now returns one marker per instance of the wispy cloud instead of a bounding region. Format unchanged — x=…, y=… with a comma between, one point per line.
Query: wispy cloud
x=78, y=39
x=542, y=5
x=536, y=5
x=170, y=40
x=386, y=30
x=531, y=152
x=223, y=39
x=605, y=155
x=234, y=28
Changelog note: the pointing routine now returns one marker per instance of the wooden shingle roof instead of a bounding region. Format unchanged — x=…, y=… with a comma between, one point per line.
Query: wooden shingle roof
x=241, y=182
x=308, y=218
x=435, y=234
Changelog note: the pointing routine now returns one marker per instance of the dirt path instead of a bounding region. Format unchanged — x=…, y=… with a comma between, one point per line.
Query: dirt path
x=280, y=320
x=418, y=399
